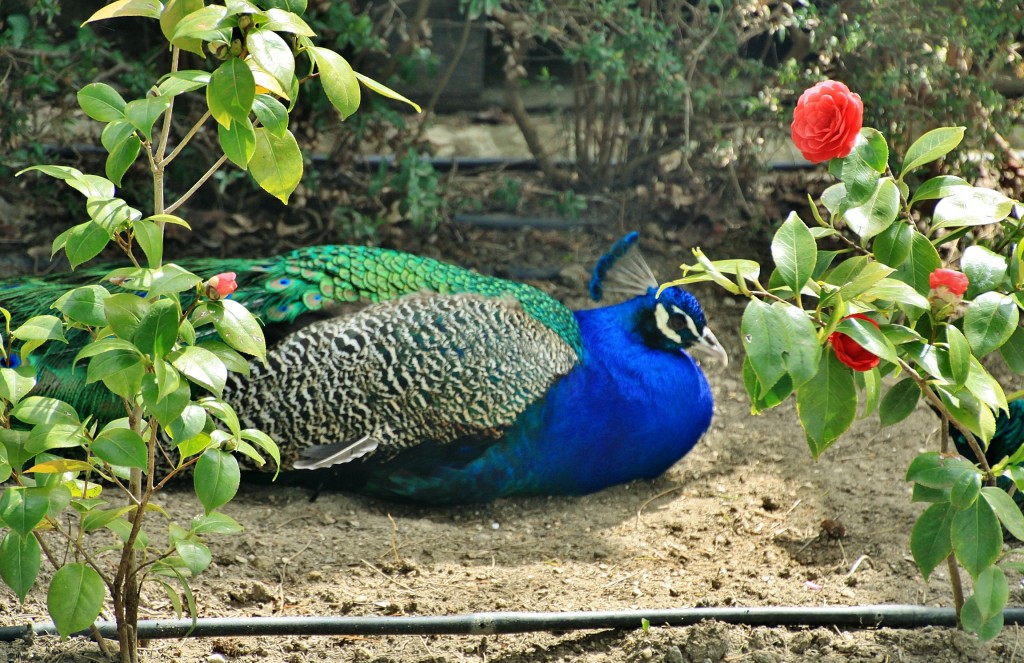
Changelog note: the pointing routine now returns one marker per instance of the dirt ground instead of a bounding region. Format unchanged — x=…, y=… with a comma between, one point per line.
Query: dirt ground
x=738, y=522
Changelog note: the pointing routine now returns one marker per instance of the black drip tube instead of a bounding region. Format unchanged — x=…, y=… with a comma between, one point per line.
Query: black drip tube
x=488, y=623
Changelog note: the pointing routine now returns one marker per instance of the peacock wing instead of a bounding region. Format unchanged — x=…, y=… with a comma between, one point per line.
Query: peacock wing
x=425, y=367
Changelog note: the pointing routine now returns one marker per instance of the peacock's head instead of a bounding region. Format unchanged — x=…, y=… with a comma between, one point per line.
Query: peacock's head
x=679, y=322
x=675, y=319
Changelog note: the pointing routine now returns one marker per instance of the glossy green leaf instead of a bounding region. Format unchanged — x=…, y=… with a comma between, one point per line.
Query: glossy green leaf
x=284, y=17
x=124, y=311
x=276, y=164
x=22, y=509
x=894, y=290
x=892, y=245
x=264, y=442
x=56, y=436
x=231, y=92
x=195, y=554
x=971, y=206
x=339, y=81
x=20, y=558
x=216, y=479
x=205, y=24
x=933, y=145
x=869, y=337
x=231, y=359
x=120, y=370
x=1012, y=351
x=85, y=305
x=189, y=424
x=121, y=446
x=899, y=402
x=937, y=187
x=143, y=113
x=15, y=383
x=271, y=113
x=121, y=158
x=827, y=404
x=272, y=53
x=973, y=621
x=45, y=410
x=1006, y=510
x=794, y=251
x=921, y=262
x=201, y=367
x=150, y=238
x=101, y=102
x=168, y=408
x=877, y=212
x=157, y=332
x=38, y=329
x=238, y=142
x=761, y=397
x=85, y=242
x=934, y=470
x=959, y=355
x=779, y=339
x=965, y=490
x=990, y=321
x=985, y=270
x=75, y=598
x=171, y=279
x=180, y=82
x=931, y=539
x=174, y=11
x=977, y=537
x=215, y=523
x=385, y=91
x=145, y=8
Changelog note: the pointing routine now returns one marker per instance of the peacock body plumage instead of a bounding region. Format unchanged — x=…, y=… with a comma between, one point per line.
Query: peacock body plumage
x=451, y=386
x=1008, y=438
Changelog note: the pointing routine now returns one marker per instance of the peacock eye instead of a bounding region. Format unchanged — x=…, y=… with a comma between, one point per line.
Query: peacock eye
x=677, y=323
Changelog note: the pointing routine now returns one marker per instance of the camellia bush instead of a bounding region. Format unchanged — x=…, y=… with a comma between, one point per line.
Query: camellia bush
x=861, y=313
x=157, y=338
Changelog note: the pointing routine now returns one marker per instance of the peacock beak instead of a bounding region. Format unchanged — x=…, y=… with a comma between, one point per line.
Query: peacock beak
x=708, y=344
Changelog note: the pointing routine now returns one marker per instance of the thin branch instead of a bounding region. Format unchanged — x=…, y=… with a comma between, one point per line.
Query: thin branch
x=184, y=141
x=195, y=187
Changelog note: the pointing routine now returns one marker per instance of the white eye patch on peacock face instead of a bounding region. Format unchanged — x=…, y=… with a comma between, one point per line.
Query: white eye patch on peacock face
x=674, y=322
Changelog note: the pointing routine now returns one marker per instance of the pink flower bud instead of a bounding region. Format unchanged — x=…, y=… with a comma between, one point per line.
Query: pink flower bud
x=221, y=285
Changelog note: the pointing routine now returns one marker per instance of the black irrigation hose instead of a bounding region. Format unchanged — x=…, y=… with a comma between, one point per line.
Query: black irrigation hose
x=488, y=623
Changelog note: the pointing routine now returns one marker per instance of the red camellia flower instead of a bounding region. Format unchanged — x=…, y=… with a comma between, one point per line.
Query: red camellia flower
x=221, y=285
x=826, y=121
x=950, y=279
x=850, y=352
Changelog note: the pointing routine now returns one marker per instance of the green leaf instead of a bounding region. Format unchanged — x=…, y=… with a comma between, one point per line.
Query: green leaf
x=264, y=442
x=985, y=270
x=215, y=523
x=20, y=557
x=973, y=621
x=971, y=206
x=339, y=81
x=276, y=164
x=121, y=446
x=1006, y=510
x=122, y=157
x=969, y=412
x=171, y=279
x=991, y=592
x=124, y=311
x=877, y=212
x=202, y=367
x=145, y=8
x=22, y=509
x=827, y=404
x=272, y=53
x=894, y=290
x=899, y=402
x=206, y=24
x=923, y=260
x=990, y=321
x=216, y=479
x=959, y=355
x=965, y=490
x=1012, y=351
x=120, y=370
x=779, y=339
x=932, y=145
x=180, y=82
x=157, y=332
x=772, y=396
x=231, y=359
x=84, y=305
x=150, y=237
x=385, y=91
x=101, y=102
x=977, y=537
x=56, y=436
x=143, y=113
x=795, y=252
x=271, y=113
x=40, y=328
x=937, y=187
x=37, y=410
x=85, y=242
x=75, y=598
x=931, y=539
x=870, y=338
x=280, y=20
x=196, y=556
x=238, y=142
x=231, y=92
x=15, y=383
x=173, y=12
x=892, y=245
x=168, y=408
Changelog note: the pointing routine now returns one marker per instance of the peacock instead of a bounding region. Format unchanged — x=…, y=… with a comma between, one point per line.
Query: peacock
x=403, y=377
x=1008, y=438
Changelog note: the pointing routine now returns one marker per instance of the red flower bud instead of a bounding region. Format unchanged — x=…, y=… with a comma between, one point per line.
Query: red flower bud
x=954, y=281
x=850, y=352
x=221, y=285
x=826, y=121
